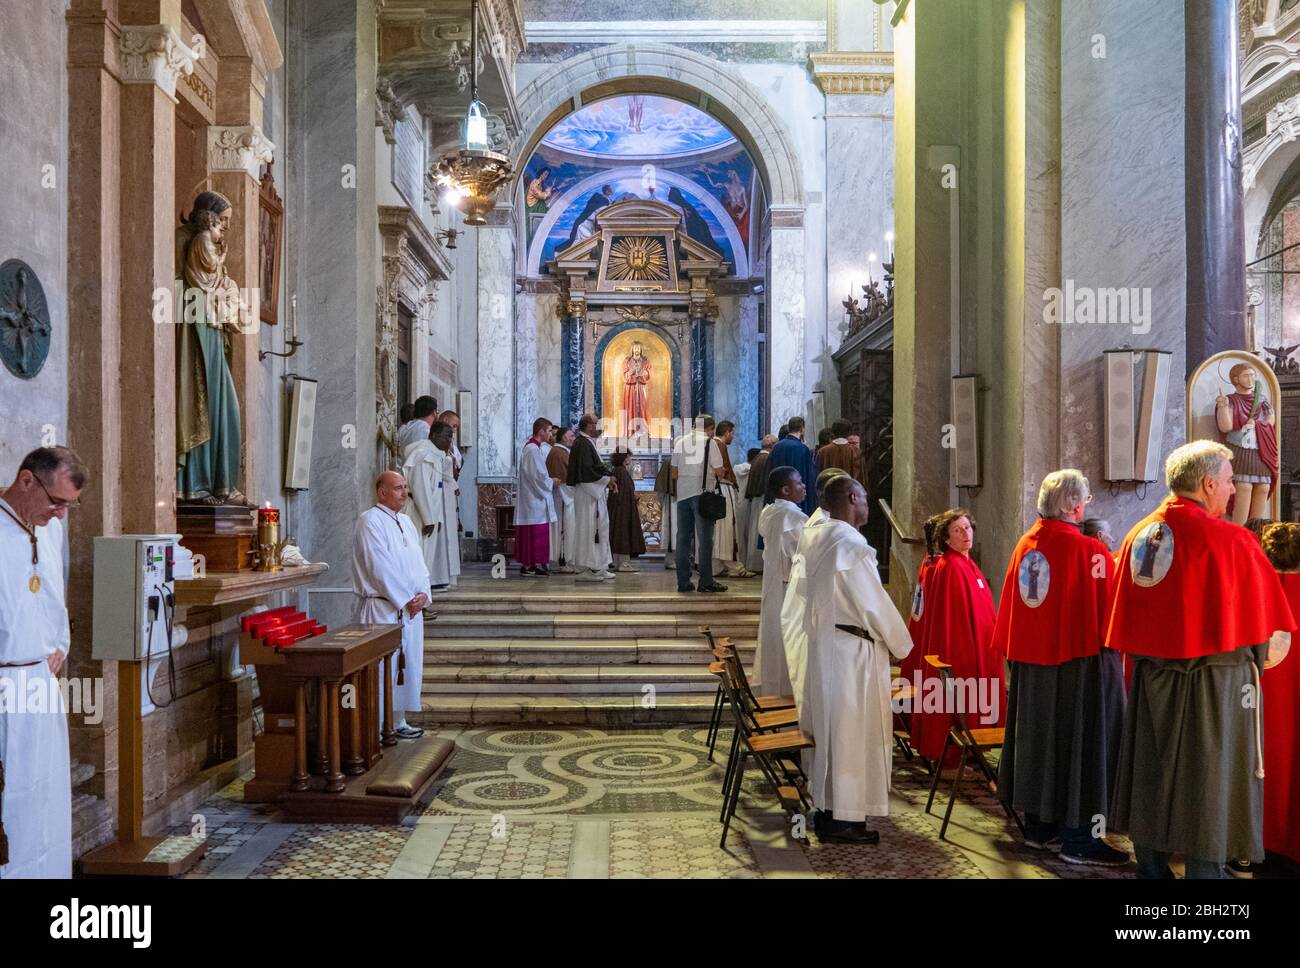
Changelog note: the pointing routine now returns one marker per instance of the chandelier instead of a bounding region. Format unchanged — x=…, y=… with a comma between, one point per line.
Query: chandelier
x=474, y=173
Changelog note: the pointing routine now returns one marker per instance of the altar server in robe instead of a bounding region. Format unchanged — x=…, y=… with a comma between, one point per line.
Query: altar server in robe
x=626, y=538
x=535, y=504
x=442, y=435
x=839, y=452
x=741, y=471
x=557, y=467
x=781, y=525
x=666, y=491
x=1065, y=704
x=958, y=628
x=1281, y=705
x=796, y=591
x=1196, y=605
x=36, y=802
x=452, y=419
x=423, y=413
x=590, y=479
x=791, y=451
x=727, y=549
x=391, y=586
x=422, y=467
x=854, y=634
x=755, y=496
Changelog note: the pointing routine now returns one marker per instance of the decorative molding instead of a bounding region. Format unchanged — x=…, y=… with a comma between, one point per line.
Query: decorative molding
x=155, y=54
x=677, y=31
x=240, y=147
x=860, y=72
x=388, y=109
x=786, y=217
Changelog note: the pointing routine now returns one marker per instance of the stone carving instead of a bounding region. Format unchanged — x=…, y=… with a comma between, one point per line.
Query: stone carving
x=239, y=148
x=24, y=320
x=388, y=109
x=154, y=54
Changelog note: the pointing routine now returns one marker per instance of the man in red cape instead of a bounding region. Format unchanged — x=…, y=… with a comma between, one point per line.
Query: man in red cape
x=1195, y=606
x=1281, y=685
x=1065, y=704
x=957, y=626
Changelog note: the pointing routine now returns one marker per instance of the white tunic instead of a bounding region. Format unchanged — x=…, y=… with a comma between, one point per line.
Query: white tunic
x=422, y=468
x=536, y=502
x=412, y=431
x=795, y=639
x=726, y=539
x=591, y=524
x=845, y=706
x=36, y=806
x=451, y=510
x=387, y=572
x=562, y=525
x=781, y=525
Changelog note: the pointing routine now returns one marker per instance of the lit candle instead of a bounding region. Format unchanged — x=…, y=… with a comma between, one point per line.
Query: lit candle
x=871, y=261
x=889, y=241
x=268, y=538
x=293, y=317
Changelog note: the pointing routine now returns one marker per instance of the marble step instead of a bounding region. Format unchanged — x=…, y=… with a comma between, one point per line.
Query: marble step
x=517, y=600
x=609, y=680
x=459, y=625
x=595, y=710
x=573, y=652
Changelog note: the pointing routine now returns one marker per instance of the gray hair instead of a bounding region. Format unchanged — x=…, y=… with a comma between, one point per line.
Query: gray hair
x=769, y=441
x=44, y=461
x=1192, y=463
x=1062, y=492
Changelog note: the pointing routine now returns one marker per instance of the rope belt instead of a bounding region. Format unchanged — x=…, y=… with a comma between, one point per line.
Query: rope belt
x=20, y=665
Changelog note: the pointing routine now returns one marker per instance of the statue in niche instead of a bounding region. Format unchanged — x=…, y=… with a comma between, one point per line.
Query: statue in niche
x=208, y=430
x=636, y=377
x=1245, y=418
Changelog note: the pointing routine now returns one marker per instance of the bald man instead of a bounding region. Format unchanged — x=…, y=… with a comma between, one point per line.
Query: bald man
x=391, y=583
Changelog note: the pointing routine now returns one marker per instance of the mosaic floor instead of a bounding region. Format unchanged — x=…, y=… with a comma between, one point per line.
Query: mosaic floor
x=596, y=803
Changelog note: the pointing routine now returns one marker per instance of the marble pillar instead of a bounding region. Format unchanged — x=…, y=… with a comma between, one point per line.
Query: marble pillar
x=496, y=353
x=748, y=431
x=702, y=370
x=528, y=405
x=573, y=380
x=789, y=318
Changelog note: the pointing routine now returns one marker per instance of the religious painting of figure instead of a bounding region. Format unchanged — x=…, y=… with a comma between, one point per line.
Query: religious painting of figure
x=270, y=231
x=636, y=386
x=1033, y=579
x=585, y=226
x=1152, y=554
x=734, y=196
x=1232, y=397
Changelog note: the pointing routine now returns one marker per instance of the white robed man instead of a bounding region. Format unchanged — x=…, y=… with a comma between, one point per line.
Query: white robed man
x=781, y=525
x=535, y=504
x=854, y=633
x=562, y=536
x=423, y=413
x=443, y=436
x=35, y=784
x=794, y=638
x=728, y=548
x=391, y=584
x=753, y=495
x=422, y=466
x=590, y=479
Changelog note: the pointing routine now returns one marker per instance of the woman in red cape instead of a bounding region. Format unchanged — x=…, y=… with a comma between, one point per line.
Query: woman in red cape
x=957, y=626
x=1280, y=685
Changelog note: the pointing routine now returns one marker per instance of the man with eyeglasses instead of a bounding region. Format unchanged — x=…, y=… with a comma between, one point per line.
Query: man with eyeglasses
x=35, y=783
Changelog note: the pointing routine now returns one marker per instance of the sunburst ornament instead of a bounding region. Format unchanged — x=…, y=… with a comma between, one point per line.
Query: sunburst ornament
x=638, y=258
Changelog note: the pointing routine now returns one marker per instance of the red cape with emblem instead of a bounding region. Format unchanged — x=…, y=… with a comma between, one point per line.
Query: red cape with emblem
x=1215, y=593
x=957, y=626
x=916, y=618
x=1070, y=583
x=1281, y=711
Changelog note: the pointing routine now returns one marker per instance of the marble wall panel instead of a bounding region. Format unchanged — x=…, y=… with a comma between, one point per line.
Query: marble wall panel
x=788, y=326
x=496, y=353
x=545, y=306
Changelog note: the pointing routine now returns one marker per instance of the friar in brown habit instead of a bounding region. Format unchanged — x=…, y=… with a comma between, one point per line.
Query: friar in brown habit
x=626, y=539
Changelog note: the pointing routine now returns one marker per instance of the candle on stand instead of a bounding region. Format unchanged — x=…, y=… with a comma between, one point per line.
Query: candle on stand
x=268, y=538
x=889, y=241
x=871, y=261
x=293, y=317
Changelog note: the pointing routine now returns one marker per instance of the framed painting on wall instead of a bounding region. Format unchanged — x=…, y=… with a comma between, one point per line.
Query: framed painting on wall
x=270, y=235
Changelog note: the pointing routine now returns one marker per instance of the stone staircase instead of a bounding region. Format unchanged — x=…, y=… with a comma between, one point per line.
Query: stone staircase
x=552, y=651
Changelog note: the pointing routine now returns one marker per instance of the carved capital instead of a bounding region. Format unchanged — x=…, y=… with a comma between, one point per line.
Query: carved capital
x=240, y=147
x=155, y=54
x=388, y=109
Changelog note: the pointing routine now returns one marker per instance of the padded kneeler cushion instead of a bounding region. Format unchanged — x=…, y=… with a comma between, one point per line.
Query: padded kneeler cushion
x=404, y=780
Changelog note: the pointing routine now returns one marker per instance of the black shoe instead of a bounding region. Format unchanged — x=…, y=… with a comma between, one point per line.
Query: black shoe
x=1097, y=854
x=525, y=573
x=542, y=572
x=849, y=834
x=712, y=589
x=1239, y=869
x=408, y=732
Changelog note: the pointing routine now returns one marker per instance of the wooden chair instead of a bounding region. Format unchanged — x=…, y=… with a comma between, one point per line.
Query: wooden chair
x=902, y=737
x=974, y=743
x=721, y=648
x=774, y=752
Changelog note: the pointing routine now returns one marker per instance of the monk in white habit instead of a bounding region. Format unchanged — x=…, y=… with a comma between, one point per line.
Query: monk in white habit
x=443, y=436
x=423, y=413
x=391, y=585
x=794, y=638
x=36, y=801
x=557, y=466
x=422, y=466
x=590, y=479
x=854, y=633
x=535, y=504
x=781, y=525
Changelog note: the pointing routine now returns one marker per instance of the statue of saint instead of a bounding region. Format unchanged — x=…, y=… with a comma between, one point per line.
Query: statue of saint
x=1247, y=422
x=207, y=409
x=636, y=377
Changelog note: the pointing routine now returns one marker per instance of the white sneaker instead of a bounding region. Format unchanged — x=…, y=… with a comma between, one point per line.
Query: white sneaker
x=606, y=574
x=591, y=576
x=567, y=570
x=627, y=567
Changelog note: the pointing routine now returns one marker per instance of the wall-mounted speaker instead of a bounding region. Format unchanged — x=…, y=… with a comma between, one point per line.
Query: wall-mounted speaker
x=468, y=418
x=1137, y=390
x=302, y=426
x=1121, y=411
x=965, y=421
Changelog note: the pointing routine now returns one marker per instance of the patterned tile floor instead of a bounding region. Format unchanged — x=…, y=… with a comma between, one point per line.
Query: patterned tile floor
x=604, y=803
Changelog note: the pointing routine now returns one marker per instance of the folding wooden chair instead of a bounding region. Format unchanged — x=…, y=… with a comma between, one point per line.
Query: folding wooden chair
x=901, y=693
x=721, y=648
x=973, y=743
x=772, y=751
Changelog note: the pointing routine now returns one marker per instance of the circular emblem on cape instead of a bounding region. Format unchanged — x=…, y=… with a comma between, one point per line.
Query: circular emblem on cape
x=1033, y=578
x=1152, y=554
x=918, y=602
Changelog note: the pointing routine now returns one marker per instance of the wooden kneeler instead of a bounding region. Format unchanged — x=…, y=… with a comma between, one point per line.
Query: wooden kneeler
x=973, y=744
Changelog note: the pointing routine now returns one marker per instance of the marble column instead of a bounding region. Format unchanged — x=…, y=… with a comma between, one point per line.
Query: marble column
x=496, y=354
x=573, y=377
x=788, y=321
x=702, y=376
x=1216, y=275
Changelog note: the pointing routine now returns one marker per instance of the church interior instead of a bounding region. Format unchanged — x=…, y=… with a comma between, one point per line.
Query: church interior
x=247, y=245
